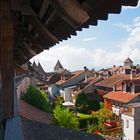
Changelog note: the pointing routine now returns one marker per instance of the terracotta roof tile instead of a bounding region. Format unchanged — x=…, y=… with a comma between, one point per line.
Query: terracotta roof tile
x=32, y=113
x=74, y=74
x=114, y=79
x=102, y=92
x=120, y=96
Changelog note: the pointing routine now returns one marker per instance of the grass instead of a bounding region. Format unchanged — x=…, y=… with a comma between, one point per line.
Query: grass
x=84, y=116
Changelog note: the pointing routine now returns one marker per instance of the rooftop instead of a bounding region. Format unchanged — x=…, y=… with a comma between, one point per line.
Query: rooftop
x=128, y=60
x=114, y=79
x=123, y=97
x=58, y=65
x=70, y=77
x=49, y=22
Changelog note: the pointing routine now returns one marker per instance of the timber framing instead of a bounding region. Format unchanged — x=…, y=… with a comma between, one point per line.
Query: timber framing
x=47, y=22
x=7, y=59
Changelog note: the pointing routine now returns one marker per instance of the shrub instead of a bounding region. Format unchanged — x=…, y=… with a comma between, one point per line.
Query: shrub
x=102, y=105
x=58, y=100
x=64, y=118
x=92, y=128
x=102, y=115
x=37, y=98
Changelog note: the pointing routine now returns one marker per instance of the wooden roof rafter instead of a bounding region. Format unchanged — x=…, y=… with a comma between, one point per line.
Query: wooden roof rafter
x=71, y=12
x=50, y=21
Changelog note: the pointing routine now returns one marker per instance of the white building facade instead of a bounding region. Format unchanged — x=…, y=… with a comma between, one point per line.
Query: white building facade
x=131, y=123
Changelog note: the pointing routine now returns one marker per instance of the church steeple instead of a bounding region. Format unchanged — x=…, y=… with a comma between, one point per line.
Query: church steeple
x=58, y=68
x=34, y=66
x=40, y=69
x=128, y=62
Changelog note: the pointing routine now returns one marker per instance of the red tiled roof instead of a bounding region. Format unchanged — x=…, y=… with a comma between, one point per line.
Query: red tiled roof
x=92, y=80
x=75, y=74
x=110, y=81
x=101, y=92
x=120, y=96
x=32, y=113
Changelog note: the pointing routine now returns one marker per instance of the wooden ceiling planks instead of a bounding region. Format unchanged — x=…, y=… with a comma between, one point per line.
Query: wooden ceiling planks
x=71, y=11
x=50, y=21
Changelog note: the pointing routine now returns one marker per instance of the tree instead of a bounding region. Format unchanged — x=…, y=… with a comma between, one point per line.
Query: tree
x=103, y=115
x=83, y=105
x=100, y=117
x=64, y=118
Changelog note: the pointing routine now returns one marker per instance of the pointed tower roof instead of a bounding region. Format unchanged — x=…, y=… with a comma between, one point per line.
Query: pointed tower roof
x=40, y=69
x=34, y=65
x=58, y=65
x=128, y=60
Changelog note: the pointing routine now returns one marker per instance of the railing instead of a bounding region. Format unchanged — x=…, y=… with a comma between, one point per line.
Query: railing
x=20, y=85
x=13, y=128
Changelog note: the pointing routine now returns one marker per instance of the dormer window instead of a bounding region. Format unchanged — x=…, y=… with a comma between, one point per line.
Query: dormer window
x=132, y=89
x=124, y=87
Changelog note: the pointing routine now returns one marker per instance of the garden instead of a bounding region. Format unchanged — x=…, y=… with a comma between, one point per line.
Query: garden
x=90, y=116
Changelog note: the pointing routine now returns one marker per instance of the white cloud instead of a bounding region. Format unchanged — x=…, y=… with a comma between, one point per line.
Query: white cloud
x=123, y=26
x=74, y=58
x=89, y=39
x=70, y=57
x=130, y=7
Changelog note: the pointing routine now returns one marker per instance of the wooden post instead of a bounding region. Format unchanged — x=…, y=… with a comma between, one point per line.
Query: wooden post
x=6, y=59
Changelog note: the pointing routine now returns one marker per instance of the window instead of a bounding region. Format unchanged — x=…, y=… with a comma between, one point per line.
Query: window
x=132, y=88
x=127, y=123
x=120, y=104
x=112, y=102
x=124, y=88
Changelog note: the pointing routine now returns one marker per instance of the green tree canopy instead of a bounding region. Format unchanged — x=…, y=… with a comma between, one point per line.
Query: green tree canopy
x=83, y=105
x=64, y=118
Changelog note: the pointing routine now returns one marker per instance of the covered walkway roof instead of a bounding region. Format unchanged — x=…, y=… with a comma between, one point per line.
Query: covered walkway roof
x=40, y=24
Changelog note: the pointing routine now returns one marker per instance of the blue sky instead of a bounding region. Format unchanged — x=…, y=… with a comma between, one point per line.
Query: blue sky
x=109, y=43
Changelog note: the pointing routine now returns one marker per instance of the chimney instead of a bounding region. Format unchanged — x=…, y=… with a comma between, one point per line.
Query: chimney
x=63, y=77
x=114, y=88
x=85, y=68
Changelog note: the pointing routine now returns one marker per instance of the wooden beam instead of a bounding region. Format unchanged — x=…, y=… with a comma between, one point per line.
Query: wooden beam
x=43, y=8
x=129, y=2
x=31, y=51
x=6, y=59
x=41, y=29
x=51, y=18
x=71, y=11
